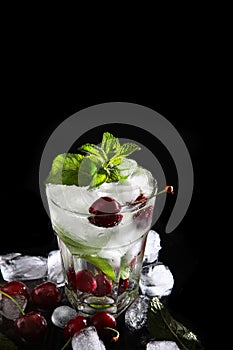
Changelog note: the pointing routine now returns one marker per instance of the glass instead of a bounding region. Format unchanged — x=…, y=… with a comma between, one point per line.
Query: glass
x=102, y=253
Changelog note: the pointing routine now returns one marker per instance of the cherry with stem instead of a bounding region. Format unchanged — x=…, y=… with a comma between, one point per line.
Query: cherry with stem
x=31, y=326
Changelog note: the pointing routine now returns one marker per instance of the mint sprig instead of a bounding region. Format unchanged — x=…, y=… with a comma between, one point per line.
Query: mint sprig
x=94, y=165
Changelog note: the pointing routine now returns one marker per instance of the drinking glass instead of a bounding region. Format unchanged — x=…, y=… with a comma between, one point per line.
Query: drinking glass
x=102, y=252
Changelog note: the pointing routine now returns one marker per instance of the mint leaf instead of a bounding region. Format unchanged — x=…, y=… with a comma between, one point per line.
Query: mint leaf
x=115, y=161
x=110, y=144
x=114, y=175
x=162, y=326
x=87, y=170
x=86, y=252
x=74, y=247
x=99, y=178
x=6, y=343
x=64, y=169
x=125, y=268
x=94, y=150
x=127, y=149
x=101, y=264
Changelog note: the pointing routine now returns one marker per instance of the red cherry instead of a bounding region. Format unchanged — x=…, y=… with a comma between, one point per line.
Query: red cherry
x=85, y=281
x=105, y=210
x=141, y=199
x=143, y=216
x=105, y=205
x=74, y=325
x=46, y=295
x=104, y=286
x=123, y=285
x=102, y=320
x=31, y=327
x=16, y=288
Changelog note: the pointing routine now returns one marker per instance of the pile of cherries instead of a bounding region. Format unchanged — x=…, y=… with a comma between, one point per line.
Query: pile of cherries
x=99, y=285
x=45, y=296
x=32, y=326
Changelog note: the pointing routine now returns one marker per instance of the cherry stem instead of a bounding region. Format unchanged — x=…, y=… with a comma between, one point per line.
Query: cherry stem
x=14, y=301
x=115, y=339
x=66, y=344
x=167, y=189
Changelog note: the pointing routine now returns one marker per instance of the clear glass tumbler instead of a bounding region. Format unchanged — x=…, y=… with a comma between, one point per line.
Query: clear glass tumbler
x=102, y=235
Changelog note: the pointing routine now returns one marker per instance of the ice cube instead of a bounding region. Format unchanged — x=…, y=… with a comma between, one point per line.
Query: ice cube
x=73, y=198
x=156, y=280
x=162, y=345
x=124, y=192
x=62, y=314
x=87, y=338
x=127, y=166
x=9, y=256
x=9, y=309
x=136, y=314
x=143, y=179
x=24, y=267
x=55, y=272
x=152, y=247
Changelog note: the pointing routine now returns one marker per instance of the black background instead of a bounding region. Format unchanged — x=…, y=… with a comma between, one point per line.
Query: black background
x=41, y=91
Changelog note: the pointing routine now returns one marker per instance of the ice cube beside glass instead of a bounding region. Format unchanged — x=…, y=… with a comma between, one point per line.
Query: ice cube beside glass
x=23, y=267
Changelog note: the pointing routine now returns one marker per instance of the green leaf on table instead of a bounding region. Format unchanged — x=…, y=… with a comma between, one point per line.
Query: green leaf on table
x=6, y=343
x=162, y=326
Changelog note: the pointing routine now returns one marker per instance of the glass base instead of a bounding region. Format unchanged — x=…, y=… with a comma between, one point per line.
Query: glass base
x=90, y=305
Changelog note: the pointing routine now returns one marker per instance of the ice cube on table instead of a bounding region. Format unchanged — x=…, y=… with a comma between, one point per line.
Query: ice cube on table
x=55, y=272
x=152, y=247
x=24, y=267
x=9, y=256
x=9, y=309
x=88, y=339
x=62, y=314
x=136, y=314
x=156, y=280
x=162, y=345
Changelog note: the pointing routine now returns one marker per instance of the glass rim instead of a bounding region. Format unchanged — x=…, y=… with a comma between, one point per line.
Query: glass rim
x=130, y=207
